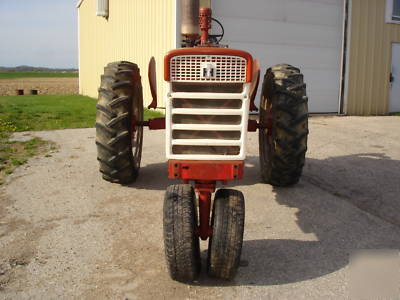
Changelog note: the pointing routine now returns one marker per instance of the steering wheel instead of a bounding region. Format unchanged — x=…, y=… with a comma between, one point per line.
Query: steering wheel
x=216, y=36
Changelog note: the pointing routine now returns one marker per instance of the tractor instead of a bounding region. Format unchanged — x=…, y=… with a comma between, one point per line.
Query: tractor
x=211, y=93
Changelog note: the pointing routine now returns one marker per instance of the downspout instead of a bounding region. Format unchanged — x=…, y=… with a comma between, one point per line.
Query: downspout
x=79, y=48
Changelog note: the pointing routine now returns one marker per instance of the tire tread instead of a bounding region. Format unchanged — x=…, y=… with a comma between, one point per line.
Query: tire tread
x=282, y=161
x=181, y=245
x=225, y=245
x=117, y=92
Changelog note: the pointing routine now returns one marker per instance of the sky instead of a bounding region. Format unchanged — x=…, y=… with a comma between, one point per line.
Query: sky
x=39, y=33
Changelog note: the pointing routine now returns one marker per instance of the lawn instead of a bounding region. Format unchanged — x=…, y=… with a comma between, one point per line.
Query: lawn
x=15, y=153
x=15, y=75
x=46, y=112
x=43, y=112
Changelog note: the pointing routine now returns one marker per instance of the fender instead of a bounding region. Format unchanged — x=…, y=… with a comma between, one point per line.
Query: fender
x=254, y=84
x=152, y=75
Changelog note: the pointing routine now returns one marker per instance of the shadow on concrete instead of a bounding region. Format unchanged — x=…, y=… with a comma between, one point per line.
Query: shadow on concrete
x=276, y=262
x=153, y=177
x=337, y=201
x=340, y=202
x=370, y=181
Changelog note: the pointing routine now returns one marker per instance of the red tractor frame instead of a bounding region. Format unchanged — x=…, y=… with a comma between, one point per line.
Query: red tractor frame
x=212, y=90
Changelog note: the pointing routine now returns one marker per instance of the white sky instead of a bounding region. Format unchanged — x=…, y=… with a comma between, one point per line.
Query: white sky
x=40, y=33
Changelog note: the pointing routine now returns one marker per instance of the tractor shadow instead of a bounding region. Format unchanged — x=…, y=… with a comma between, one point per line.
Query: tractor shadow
x=153, y=177
x=343, y=204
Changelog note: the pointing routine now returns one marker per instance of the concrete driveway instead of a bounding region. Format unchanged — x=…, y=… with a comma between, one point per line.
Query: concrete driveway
x=66, y=233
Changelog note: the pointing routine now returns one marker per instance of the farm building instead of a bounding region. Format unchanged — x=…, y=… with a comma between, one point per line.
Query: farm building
x=348, y=50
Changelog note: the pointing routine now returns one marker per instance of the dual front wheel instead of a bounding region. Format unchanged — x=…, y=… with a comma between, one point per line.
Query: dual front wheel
x=181, y=242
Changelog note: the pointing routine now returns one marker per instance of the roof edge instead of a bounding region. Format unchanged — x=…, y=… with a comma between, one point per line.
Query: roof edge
x=79, y=3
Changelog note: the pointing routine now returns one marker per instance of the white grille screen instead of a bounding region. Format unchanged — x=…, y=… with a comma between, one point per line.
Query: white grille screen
x=221, y=68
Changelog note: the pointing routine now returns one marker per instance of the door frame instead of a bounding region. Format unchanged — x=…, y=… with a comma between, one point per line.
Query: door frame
x=390, y=71
x=346, y=49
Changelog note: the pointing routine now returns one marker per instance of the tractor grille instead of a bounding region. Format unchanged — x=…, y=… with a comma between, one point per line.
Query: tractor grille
x=207, y=125
x=223, y=68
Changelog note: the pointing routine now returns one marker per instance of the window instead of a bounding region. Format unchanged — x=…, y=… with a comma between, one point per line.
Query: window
x=393, y=11
x=396, y=10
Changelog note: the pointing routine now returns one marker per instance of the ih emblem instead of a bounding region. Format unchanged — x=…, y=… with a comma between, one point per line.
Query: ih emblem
x=209, y=70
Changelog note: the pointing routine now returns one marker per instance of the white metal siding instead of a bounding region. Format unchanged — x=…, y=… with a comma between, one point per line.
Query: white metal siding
x=304, y=33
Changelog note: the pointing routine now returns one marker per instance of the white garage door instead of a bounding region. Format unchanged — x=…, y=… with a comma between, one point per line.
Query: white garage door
x=304, y=33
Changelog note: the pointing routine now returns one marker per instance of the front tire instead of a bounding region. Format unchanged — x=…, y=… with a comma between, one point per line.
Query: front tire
x=120, y=104
x=182, y=248
x=225, y=244
x=284, y=109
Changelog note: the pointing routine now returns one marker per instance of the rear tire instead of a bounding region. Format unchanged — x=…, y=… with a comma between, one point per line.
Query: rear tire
x=284, y=100
x=225, y=245
x=120, y=103
x=182, y=248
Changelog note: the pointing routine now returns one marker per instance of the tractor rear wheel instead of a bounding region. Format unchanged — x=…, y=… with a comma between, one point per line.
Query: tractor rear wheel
x=182, y=247
x=284, y=110
x=225, y=244
x=119, y=107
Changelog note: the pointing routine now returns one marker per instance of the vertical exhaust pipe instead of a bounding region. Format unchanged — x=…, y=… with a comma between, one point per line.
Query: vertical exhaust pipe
x=190, y=21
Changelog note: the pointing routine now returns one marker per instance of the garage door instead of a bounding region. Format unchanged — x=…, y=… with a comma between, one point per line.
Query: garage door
x=304, y=33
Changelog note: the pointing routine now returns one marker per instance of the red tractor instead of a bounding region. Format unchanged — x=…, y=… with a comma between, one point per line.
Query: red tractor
x=211, y=92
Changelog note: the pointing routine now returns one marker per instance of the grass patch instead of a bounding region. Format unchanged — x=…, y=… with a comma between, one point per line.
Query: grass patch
x=14, y=154
x=46, y=112
x=15, y=75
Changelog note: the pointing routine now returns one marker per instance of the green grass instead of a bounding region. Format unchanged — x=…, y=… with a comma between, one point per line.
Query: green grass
x=43, y=112
x=14, y=154
x=46, y=112
x=15, y=75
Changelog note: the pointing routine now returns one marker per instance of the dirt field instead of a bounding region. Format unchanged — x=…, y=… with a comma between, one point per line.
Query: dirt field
x=53, y=86
x=65, y=233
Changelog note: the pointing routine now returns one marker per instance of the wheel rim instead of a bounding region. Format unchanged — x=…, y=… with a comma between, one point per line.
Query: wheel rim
x=137, y=131
x=266, y=135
